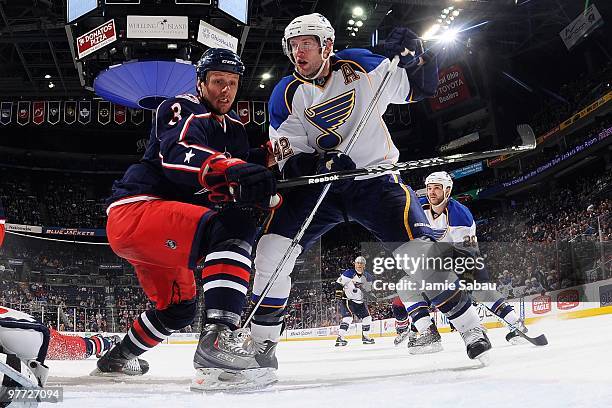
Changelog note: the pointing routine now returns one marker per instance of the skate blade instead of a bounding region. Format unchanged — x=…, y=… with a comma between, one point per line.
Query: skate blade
x=484, y=358
x=97, y=373
x=218, y=380
x=428, y=349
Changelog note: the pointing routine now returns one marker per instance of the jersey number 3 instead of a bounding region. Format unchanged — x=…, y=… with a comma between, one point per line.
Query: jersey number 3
x=176, y=111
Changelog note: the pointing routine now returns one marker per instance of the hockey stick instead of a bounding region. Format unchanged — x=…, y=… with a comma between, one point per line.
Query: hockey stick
x=525, y=132
x=308, y=220
x=540, y=340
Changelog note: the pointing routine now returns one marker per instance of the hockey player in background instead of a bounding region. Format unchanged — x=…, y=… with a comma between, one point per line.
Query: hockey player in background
x=452, y=222
x=313, y=114
x=351, y=289
x=164, y=228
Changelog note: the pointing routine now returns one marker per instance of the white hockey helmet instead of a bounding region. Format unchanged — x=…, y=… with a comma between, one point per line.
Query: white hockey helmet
x=440, y=177
x=308, y=24
x=360, y=259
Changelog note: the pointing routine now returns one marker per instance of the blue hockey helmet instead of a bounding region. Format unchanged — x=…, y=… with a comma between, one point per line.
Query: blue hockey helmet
x=219, y=59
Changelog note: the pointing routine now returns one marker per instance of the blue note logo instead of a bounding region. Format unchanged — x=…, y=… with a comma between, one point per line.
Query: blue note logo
x=329, y=116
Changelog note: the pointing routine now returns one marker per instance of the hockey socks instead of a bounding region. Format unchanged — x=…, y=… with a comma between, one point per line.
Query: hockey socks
x=96, y=344
x=146, y=332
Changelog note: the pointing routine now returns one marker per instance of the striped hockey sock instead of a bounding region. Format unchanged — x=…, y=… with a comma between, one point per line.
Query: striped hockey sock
x=146, y=332
x=226, y=279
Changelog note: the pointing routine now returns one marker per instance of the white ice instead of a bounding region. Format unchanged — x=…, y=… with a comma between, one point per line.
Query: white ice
x=574, y=370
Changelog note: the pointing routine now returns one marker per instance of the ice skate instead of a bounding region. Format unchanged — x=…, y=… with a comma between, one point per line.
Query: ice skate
x=365, y=339
x=118, y=363
x=223, y=362
x=404, y=335
x=427, y=342
x=477, y=344
x=265, y=354
x=340, y=342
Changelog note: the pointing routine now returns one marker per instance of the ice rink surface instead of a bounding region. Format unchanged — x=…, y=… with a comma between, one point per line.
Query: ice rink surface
x=574, y=370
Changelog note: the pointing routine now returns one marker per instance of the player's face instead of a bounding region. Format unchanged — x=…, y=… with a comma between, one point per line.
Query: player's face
x=306, y=52
x=360, y=267
x=435, y=193
x=219, y=90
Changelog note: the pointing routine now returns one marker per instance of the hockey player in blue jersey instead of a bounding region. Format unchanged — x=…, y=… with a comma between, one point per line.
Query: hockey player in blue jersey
x=453, y=222
x=164, y=228
x=350, y=289
x=313, y=114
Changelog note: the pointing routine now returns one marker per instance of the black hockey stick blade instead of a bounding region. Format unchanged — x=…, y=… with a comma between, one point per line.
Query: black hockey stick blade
x=540, y=340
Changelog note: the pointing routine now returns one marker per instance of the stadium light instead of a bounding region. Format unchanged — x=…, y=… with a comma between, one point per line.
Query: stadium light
x=359, y=23
x=51, y=84
x=448, y=36
x=265, y=76
x=47, y=76
x=431, y=32
x=351, y=22
x=358, y=11
x=262, y=86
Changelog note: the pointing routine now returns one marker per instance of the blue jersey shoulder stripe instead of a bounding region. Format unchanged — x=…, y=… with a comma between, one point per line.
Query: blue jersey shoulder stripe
x=365, y=59
x=458, y=214
x=349, y=273
x=281, y=99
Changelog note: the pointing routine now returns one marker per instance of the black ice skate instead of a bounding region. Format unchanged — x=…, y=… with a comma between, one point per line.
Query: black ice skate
x=340, y=342
x=513, y=337
x=224, y=363
x=427, y=342
x=477, y=344
x=117, y=362
x=366, y=339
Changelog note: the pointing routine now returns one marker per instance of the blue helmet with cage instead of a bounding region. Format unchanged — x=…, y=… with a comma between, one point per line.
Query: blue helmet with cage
x=219, y=59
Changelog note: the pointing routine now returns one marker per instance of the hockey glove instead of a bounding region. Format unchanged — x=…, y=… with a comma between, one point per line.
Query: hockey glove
x=401, y=39
x=336, y=161
x=235, y=180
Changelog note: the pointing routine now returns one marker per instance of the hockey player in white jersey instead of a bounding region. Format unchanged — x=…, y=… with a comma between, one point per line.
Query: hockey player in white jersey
x=24, y=343
x=453, y=222
x=313, y=115
x=350, y=288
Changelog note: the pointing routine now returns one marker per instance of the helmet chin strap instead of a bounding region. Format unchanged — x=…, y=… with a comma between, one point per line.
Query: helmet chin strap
x=319, y=71
x=438, y=208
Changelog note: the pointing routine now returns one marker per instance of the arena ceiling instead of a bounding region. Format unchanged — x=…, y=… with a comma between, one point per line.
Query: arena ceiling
x=34, y=41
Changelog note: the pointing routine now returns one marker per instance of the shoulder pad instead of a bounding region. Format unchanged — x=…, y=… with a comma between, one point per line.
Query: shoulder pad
x=458, y=214
x=364, y=59
x=189, y=97
x=281, y=100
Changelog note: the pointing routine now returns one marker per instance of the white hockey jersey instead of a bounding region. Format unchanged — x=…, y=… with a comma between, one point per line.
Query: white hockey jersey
x=354, y=284
x=455, y=224
x=308, y=116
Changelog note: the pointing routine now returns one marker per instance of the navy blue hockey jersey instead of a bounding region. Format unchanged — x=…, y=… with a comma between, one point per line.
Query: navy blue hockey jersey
x=183, y=136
